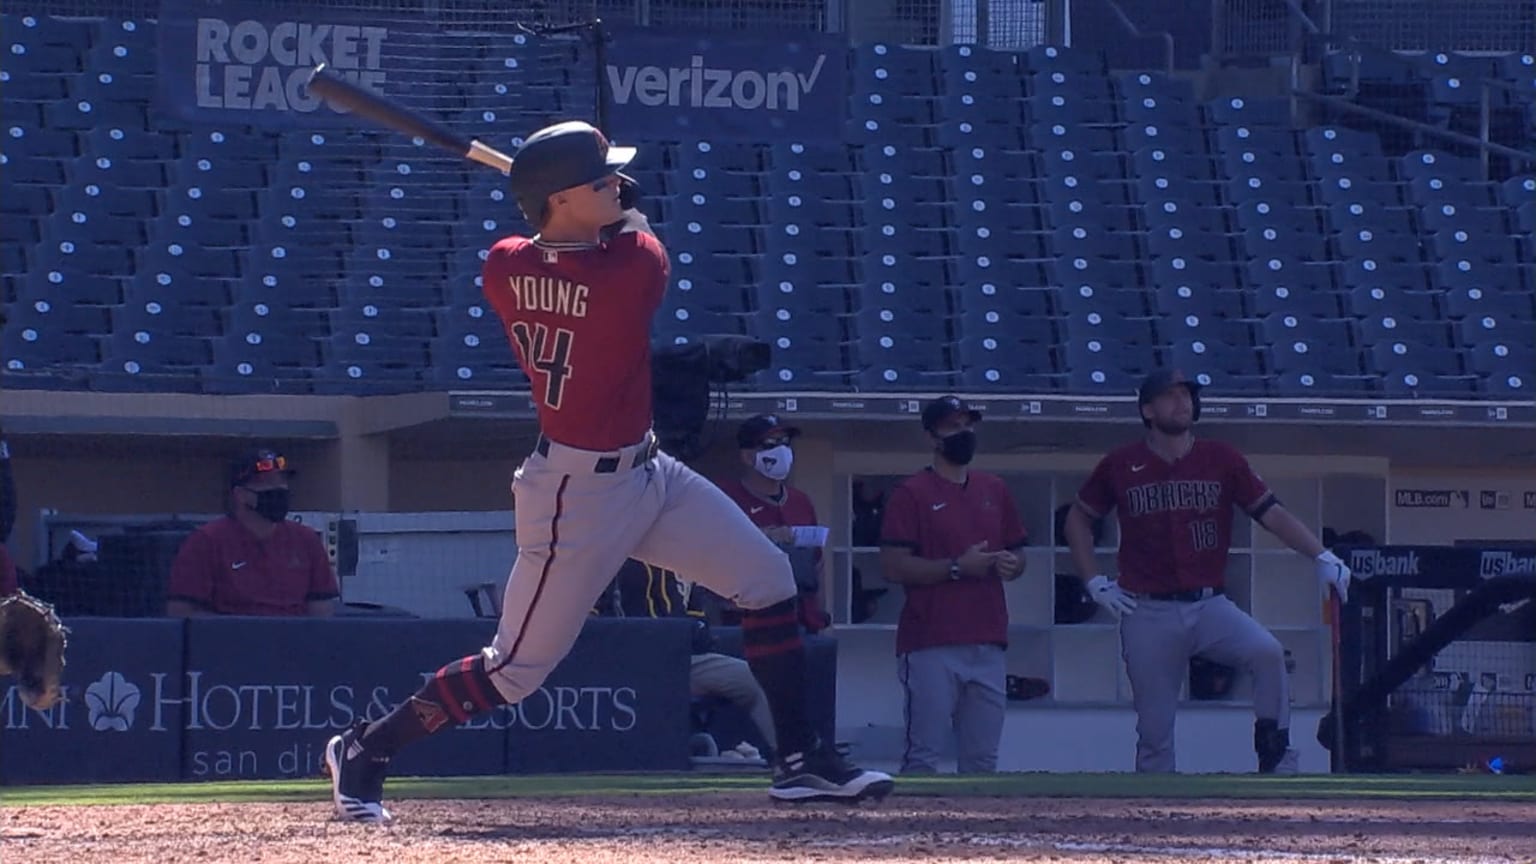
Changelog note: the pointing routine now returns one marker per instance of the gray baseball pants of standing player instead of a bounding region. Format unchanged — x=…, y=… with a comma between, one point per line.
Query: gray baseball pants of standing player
x=959, y=690
x=1157, y=641
x=576, y=527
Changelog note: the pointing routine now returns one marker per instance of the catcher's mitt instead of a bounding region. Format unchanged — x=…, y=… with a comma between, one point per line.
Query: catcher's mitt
x=32, y=643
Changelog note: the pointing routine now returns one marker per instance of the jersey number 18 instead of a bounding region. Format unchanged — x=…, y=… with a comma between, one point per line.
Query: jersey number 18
x=1204, y=534
x=552, y=357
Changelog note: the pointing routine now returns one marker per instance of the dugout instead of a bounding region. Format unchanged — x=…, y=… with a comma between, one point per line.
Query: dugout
x=1439, y=661
x=410, y=492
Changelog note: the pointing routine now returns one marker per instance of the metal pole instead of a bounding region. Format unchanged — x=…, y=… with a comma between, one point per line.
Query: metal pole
x=600, y=53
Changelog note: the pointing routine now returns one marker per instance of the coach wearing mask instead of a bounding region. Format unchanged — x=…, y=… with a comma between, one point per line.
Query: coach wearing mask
x=951, y=536
x=253, y=561
x=763, y=492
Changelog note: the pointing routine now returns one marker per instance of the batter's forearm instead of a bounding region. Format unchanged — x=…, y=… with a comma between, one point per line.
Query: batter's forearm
x=1281, y=523
x=1080, y=541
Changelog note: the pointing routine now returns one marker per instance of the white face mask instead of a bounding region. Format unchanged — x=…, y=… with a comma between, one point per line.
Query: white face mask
x=774, y=463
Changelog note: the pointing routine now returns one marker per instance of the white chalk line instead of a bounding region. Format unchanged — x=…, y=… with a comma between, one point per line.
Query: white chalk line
x=1261, y=854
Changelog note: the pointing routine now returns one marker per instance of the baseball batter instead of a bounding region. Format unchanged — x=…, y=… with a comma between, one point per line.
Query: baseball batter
x=577, y=301
x=1175, y=497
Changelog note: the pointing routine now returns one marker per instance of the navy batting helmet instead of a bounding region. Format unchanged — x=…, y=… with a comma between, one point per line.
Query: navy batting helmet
x=1160, y=380
x=559, y=157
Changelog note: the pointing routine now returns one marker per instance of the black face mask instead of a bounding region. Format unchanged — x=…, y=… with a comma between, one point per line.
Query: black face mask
x=271, y=504
x=959, y=448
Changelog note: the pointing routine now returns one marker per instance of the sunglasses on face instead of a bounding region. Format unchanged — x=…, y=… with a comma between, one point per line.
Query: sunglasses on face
x=263, y=464
x=770, y=443
x=269, y=463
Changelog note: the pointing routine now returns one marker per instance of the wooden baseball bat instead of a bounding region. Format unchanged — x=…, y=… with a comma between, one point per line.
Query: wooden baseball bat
x=342, y=93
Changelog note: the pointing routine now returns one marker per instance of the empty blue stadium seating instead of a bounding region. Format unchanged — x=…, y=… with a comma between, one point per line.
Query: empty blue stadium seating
x=995, y=220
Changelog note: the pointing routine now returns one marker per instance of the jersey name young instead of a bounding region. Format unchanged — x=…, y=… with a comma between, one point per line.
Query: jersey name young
x=548, y=294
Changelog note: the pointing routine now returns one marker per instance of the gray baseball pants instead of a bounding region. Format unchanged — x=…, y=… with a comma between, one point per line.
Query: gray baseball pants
x=959, y=690
x=1157, y=641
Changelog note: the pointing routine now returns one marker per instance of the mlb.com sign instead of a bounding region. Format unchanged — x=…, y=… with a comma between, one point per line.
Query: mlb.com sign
x=726, y=86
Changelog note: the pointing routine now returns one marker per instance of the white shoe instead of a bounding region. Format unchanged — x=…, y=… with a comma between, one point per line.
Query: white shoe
x=357, y=780
x=825, y=775
x=1289, y=763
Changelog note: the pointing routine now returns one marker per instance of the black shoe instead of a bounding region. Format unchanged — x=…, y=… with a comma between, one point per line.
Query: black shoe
x=825, y=774
x=357, y=778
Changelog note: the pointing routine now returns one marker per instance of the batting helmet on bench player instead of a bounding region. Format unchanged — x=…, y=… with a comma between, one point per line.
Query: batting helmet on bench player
x=560, y=157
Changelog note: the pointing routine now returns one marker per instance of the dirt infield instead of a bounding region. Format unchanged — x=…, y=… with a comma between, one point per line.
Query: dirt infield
x=732, y=827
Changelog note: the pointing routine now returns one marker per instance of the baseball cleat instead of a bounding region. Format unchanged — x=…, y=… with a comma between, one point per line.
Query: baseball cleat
x=357, y=779
x=825, y=775
x=1290, y=763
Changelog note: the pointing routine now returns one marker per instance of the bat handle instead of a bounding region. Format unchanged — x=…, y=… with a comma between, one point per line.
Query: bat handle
x=489, y=156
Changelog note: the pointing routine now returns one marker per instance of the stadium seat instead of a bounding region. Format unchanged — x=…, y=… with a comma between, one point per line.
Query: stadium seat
x=984, y=201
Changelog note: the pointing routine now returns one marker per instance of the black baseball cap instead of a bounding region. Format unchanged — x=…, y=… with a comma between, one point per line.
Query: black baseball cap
x=943, y=408
x=562, y=156
x=1159, y=380
x=754, y=430
x=260, y=460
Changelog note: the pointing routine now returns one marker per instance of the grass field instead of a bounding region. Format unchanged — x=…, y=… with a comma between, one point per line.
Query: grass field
x=1320, y=787
x=714, y=818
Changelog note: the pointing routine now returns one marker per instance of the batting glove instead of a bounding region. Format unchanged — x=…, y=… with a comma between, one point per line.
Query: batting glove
x=1333, y=573
x=1108, y=594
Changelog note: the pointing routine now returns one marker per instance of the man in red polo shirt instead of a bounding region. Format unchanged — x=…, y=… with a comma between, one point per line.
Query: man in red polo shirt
x=761, y=491
x=950, y=537
x=253, y=561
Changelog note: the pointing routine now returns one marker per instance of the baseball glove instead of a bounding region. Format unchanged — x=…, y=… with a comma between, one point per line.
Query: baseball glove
x=32, y=643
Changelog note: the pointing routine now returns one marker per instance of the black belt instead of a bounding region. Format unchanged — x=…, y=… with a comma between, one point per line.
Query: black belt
x=607, y=464
x=1193, y=596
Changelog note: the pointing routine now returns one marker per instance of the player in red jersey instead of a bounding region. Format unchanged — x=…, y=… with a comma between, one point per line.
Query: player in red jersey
x=577, y=301
x=1175, y=495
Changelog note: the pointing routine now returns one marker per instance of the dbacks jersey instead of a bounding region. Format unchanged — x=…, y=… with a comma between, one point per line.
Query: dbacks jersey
x=582, y=315
x=1175, y=518
x=796, y=509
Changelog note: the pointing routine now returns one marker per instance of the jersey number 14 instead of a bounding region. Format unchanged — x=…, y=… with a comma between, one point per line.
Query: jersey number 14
x=549, y=356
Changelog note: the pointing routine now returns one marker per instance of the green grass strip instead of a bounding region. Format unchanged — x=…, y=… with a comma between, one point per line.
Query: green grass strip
x=1180, y=786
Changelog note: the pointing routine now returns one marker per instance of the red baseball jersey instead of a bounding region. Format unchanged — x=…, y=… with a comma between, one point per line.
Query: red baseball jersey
x=8, y=581
x=797, y=508
x=1175, y=518
x=579, y=320
x=939, y=519
x=224, y=568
